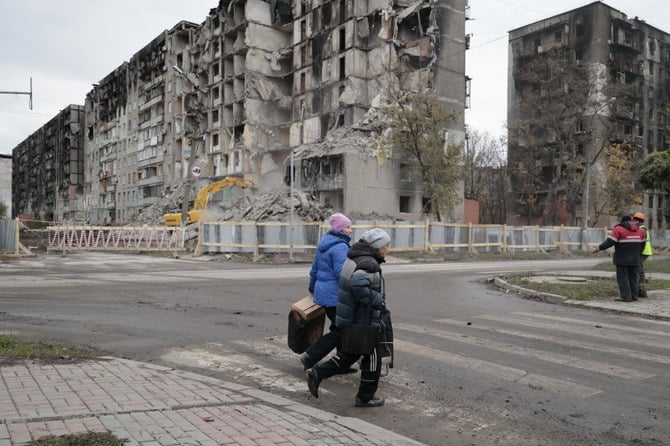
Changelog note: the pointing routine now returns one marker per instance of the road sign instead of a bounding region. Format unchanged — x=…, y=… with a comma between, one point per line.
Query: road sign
x=196, y=170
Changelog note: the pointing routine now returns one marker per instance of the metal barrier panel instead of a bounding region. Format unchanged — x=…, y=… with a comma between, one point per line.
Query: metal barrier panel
x=8, y=235
x=107, y=238
x=405, y=236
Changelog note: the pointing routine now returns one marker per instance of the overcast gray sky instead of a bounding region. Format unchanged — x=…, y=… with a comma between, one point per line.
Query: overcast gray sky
x=68, y=45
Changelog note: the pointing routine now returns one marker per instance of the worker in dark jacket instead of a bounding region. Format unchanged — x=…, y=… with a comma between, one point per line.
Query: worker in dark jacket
x=628, y=241
x=361, y=283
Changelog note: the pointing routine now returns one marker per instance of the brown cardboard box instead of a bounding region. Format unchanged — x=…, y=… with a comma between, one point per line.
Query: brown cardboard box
x=307, y=309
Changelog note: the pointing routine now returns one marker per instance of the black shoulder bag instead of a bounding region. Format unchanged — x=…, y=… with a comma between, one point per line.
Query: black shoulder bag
x=360, y=339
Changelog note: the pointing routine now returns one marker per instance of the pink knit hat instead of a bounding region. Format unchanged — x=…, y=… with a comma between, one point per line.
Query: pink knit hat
x=339, y=221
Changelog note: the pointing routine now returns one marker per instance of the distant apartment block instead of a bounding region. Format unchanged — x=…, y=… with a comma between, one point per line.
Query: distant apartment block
x=256, y=82
x=626, y=62
x=6, y=183
x=48, y=169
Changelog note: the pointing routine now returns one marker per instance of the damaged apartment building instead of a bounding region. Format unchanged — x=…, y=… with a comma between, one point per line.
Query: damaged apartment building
x=48, y=169
x=259, y=85
x=627, y=69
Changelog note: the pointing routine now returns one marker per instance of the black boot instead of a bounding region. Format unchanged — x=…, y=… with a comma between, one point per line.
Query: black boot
x=313, y=382
x=374, y=402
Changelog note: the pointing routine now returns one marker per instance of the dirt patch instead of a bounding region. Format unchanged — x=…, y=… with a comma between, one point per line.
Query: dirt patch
x=6, y=361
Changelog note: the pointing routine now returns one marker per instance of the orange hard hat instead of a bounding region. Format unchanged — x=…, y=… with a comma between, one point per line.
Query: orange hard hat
x=639, y=216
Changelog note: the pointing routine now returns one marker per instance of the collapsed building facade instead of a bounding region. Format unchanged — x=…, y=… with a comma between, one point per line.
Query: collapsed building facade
x=261, y=89
x=626, y=67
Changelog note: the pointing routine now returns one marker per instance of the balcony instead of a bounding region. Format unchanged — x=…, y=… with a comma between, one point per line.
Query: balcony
x=151, y=102
x=156, y=179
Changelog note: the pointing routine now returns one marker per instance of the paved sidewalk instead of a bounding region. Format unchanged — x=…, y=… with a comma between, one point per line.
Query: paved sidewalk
x=656, y=306
x=152, y=405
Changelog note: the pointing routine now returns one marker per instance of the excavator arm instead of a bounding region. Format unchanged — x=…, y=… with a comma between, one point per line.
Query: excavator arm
x=202, y=198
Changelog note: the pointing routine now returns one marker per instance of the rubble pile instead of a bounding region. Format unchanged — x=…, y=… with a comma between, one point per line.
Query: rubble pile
x=153, y=215
x=272, y=206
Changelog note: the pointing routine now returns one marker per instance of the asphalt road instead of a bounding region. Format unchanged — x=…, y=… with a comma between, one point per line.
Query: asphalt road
x=473, y=365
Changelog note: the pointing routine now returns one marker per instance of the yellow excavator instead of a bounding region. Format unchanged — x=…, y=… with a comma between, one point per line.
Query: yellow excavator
x=201, y=200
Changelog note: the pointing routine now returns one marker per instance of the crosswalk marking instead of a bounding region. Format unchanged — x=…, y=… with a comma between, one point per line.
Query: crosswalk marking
x=594, y=366
x=512, y=374
x=235, y=365
x=562, y=341
x=601, y=324
x=244, y=359
x=594, y=332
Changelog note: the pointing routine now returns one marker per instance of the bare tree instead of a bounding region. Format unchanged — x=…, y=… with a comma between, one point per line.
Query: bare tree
x=554, y=94
x=617, y=186
x=485, y=175
x=415, y=133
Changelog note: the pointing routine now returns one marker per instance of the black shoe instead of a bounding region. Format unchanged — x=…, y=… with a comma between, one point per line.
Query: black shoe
x=642, y=293
x=624, y=300
x=313, y=382
x=633, y=298
x=306, y=363
x=348, y=371
x=374, y=402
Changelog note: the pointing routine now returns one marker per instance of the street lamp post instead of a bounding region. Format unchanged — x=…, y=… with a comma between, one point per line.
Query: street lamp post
x=292, y=169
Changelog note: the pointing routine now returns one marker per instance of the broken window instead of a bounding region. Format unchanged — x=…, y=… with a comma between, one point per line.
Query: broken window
x=343, y=70
x=404, y=204
x=627, y=38
x=558, y=36
x=343, y=10
x=326, y=14
x=405, y=172
x=343, y=38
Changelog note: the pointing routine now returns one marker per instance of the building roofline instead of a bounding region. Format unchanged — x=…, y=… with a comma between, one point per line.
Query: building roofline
x=589, y=5
x=2, y=155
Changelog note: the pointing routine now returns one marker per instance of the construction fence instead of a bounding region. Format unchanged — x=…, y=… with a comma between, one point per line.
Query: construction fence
x=286, y=237
x=266, y=237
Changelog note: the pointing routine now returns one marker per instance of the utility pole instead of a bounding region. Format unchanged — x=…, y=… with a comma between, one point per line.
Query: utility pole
x=290, y=252
x=588, y=164
x=28, y=93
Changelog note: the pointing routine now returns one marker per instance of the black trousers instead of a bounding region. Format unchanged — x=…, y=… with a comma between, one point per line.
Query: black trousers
x=627, y=277
x=371, y=366
x=326, y=343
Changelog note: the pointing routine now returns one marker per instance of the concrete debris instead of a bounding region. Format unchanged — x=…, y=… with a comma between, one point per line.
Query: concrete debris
x=272, y=206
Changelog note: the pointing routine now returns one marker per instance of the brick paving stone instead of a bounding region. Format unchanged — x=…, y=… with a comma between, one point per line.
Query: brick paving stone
x=155, y=405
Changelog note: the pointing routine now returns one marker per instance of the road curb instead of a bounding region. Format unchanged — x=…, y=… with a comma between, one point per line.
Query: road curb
x=607, y=307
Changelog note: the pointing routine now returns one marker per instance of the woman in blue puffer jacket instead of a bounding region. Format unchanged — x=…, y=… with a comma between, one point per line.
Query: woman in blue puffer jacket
x=323, y=283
